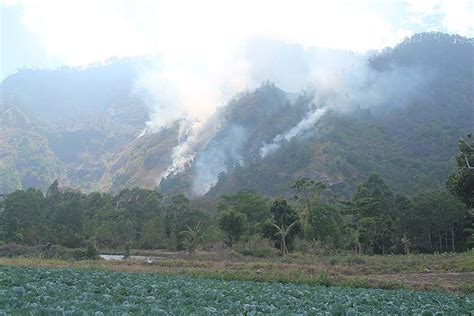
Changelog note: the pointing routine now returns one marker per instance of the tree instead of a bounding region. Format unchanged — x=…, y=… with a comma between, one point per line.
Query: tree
x=461, y=184
x=233, y=225
x=406, y=244
x=318, y=219
x=444, y=217
x=53, y=190
x=140, y=205
x=179, y=205
x=91, y=250
x=252, y=205
x=283, y=216
x=66, y=218
x=152, y=233
x=181, y=217
x=24, y=217
x=373, y=211
x=283, y=232
x=467, y=148
x=192, y=236
x=309, y=192
x=128, y=250
x=322, y=225
x=2, y=221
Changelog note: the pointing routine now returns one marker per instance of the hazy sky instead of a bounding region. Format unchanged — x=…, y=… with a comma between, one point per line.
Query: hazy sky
x=206, y=33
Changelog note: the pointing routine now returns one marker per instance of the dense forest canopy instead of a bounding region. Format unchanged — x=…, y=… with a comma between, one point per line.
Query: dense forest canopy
x=375, y=220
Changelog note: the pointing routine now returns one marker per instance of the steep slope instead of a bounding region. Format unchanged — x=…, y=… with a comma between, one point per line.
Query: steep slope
x=410, y=146
x=247, y=122
x=67, y=124
x=26, y=158
x=398, y=113
x=142, y=162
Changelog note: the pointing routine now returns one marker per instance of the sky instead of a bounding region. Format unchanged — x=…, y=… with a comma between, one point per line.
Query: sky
x=208, y=33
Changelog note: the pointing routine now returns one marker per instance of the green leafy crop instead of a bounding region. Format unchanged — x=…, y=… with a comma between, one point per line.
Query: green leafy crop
x=75, y=292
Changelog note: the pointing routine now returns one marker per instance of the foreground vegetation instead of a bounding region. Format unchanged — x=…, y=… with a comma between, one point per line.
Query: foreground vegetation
x=50, y=291
x=374, y=221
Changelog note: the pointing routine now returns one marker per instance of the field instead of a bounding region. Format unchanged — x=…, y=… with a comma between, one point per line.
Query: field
x=58, y=291
x=452, y=273
x=228, y=283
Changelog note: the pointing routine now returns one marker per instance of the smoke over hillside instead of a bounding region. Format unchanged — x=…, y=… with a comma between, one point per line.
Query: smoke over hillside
x=269, y=132
x=338, y=81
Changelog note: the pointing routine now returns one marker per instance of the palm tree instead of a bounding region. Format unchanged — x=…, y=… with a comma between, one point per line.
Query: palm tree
x=193, y=236
x=283, y=232
x=467, y=147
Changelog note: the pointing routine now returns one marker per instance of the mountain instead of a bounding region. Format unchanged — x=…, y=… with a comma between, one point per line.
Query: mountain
x=67, y=124
x=423, y=103
x=399, y=113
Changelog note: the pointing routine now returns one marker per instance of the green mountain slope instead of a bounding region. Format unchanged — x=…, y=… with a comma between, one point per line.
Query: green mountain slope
x=412, y=147
x=400, y=116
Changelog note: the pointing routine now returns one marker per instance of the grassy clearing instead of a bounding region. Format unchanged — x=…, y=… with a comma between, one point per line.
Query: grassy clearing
x=443, y=272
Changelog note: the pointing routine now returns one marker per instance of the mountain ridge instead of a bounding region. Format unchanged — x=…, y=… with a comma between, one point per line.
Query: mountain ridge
x=407, y=135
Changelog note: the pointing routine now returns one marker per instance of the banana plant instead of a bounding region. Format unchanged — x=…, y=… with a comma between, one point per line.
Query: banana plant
x=467, y=148
x=193, y=234
x=283, y=232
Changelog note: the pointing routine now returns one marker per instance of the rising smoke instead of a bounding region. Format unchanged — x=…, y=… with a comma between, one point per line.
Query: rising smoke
x=344, y=82
x=306, y=123
x=217, y=157
x=340, y=81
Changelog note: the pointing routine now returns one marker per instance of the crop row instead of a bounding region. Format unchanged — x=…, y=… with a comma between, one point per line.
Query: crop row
x=78, y=292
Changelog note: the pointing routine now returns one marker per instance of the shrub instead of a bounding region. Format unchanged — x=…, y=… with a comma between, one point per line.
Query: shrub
x=355, y=260
x=264, y=252
x=323, y=279
x=334, y=261
x=56, y=252
x=127, y=252
x=15, y=250
x=91, y=250
x=78, y=254
x=358, y=283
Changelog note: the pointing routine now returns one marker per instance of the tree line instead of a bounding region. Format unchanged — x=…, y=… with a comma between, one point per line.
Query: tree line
x=374, y=221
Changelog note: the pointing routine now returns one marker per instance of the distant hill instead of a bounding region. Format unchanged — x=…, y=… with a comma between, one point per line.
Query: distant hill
x=66, y=124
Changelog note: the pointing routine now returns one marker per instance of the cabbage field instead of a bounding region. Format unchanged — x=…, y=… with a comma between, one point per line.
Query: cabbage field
x=78, y=292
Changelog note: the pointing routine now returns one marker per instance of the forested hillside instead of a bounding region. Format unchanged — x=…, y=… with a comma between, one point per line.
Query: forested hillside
x=375, y=220
x=67, y=124
x=408, y=140
x=401, y=117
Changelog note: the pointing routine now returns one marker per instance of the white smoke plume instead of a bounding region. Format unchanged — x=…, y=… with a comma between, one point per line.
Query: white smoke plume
x=193, y=135
x=218, y=155
x=306, y=123
x=186, y=90
x=344, y=81
x=190, y=86
x=183, y=154
x=192, y=94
